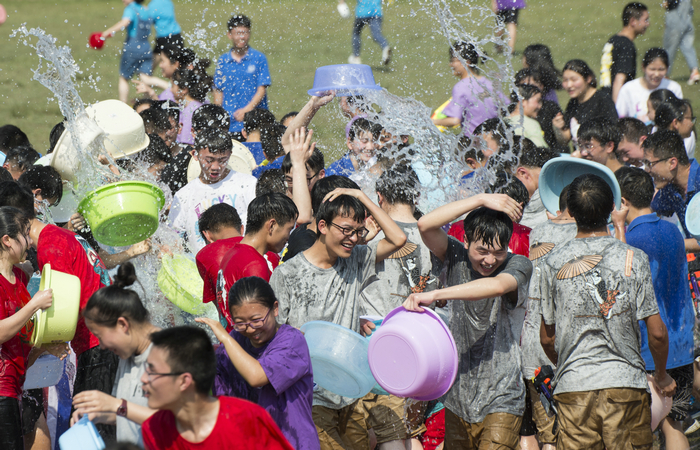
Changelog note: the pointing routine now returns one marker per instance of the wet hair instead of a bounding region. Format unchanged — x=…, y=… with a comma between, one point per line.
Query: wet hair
x=155, y=120
x=539, y=60
x=636, y=186
x=214, y=140
x=221, y=215
x=178, y=54
x=197, y=83
x=667, y=144
x=316, y=162
x=660, y=96
x=210, y=116
x=632, y=129
x=271, y=140
x=255, y=119
x=511, y=186
x=496, y=128
x=143, y=101
x=172, y=109
x=109, y=303
x=655, y=53
x=341, y=206
x=11, y=136
x=270, y=206
x=467, y=51
x=536, y=157
x=580, y=67
x=464, y=146
x=562, y=198
x=5, y=175
x=55, y=135
x=22, y=157
x=189, y=350
x=590, y=201
x=399, y=185
x=290, y=114
x=522, y=92
x=251, y=290
x=633, y=10
x=363, y=125
x=45, y=178
x=271, y=181
x=239, y=21
x=326, y=185
x=488, y=226
x=602, y=130
x=670, y=110
x=13, y=223
x=15, y=195
x=156, y=152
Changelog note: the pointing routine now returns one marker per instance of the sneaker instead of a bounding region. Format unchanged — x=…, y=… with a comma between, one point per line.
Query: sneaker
x=694, y=77
x=386, y=55
x=354, y=60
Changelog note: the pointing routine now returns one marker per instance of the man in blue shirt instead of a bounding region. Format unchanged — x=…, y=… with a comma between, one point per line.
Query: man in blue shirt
x=242, y=76
x=663, y=244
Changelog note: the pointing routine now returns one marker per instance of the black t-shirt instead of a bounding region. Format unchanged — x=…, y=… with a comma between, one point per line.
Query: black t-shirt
x=600, y=105
x=300, y=239
x=174, y=174
x=624, y=60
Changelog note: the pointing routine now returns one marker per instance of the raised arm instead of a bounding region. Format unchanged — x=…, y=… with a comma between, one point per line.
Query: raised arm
x=430, y=225
x=303, y=119
x=300, y=150
x=116, y=27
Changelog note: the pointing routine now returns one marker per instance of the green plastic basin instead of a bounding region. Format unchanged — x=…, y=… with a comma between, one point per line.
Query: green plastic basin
x=179, y=280
x=57, y=323
x=123, y=213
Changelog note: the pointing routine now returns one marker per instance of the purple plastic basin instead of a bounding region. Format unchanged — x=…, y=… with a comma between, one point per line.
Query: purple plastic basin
x=413, y=355
x=343, y=79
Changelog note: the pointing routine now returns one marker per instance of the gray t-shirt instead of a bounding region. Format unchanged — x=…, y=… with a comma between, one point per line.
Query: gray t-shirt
x=127, y=385
x=489, y=378
x=534, y=213
x=306, y=293
x=405, y=271
x=543, y=238
x=596, y=290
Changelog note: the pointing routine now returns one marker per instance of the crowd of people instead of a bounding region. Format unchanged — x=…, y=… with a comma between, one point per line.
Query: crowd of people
x=604, y=295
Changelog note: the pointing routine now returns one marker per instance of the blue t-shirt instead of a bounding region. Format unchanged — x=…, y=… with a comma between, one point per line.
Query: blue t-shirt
x=663, y=243
x=135, y=13
x=368, y=8
x=342, y=167
x=276, y=164
x=240, y=80
x=256, y=150
x=669, y=200
x=163, y=14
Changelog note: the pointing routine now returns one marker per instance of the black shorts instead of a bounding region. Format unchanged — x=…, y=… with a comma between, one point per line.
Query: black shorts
x=683, y=376
x=508, y=15
x=173, y=39
x=11, y=437
x=32, y=407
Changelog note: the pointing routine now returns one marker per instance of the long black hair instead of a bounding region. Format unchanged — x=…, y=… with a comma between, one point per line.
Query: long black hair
x=110, y=303
x=251, y=289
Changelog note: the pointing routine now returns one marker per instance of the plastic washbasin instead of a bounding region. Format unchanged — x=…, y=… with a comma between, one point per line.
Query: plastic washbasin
x=692, y=217
x=57, y=323
x=180, y=282
x=123, y=213
x=377, y=321
x=46, y=371
x=343, y=79
x=83, y=435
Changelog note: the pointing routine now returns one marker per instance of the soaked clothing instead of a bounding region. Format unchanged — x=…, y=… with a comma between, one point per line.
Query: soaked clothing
x=543, y=238
x=595, y=290
x=619, y=56
x=599, y=105
x=472, y=102
x=489, y=378
x=11, y=436
x=14, y=351
x=128, y=386
x=669, y=200
x=136, y=56
x=300, y=240
x=306, y=292
x=497, y=431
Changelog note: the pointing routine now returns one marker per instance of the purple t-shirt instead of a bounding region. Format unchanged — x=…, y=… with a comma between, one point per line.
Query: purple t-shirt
x=551, y=95
x=510, y=4
x=472, y=101
x=166, y=95
x=288, y=396
x=185, y=136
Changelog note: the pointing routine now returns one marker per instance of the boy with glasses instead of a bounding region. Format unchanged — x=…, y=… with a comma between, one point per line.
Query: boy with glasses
x=598, y=140
x=215, y=184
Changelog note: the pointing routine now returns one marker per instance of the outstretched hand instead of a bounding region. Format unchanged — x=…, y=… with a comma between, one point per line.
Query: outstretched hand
x=665, y=385
x=300, y=146
x=414, y=302
x=322, y=100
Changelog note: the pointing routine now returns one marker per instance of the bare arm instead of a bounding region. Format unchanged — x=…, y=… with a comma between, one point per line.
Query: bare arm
x=112, y=261
x=102, y=408
x=619, y=80
x=658, y=346
x=303, y=119
x=561, y=131
x=430, y=225
x=257, y=98
x=300, y=149
x=448, y=122
x=12, y=325
x=619, y=218
x=218, y=97
x=692, y=246
x=547, y=337
x=116, y=27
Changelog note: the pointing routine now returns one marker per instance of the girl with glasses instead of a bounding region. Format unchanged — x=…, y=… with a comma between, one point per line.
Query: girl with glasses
x=265, y=362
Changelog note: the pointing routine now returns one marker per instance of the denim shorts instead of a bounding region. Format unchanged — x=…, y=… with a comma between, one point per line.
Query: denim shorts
x=135, y=59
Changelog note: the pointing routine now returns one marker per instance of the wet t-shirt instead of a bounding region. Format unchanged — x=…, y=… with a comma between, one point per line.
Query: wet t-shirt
x=209, y=262
x=595, y=290
x=288, y=396
x=69, y=253
x=128, y=385
x=543, y=239
x=306, y=293
x=406, y=271
x=300, y=240
x=619, y=56
x=489, y=379
x=599, y=105
x=14, y=352
x=472, y=102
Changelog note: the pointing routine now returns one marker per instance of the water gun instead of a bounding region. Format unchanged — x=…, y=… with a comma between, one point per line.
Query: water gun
x=543, y=384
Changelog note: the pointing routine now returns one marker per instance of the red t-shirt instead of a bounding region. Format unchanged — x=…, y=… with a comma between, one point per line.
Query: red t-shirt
x=519, y=241
x=70, y=253
x=209, y=262
x=14, y=353
x=240, y=261
x=240, y=425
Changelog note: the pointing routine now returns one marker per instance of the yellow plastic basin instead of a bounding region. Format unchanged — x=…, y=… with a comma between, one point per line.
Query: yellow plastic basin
x=57, y=323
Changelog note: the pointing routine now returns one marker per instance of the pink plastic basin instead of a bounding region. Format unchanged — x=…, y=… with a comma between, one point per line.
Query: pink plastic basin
x=413, y=355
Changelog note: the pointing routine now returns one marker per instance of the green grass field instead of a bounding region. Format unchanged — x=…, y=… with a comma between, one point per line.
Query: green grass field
x=297, y=36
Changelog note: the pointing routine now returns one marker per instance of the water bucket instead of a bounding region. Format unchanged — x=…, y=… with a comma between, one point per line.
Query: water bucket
x=179, y=280
x=414, y=355
x=123, y=213
x=46, y=371
x=343, y=79
x=338, y=359
x=660, y=405
x=559, y=172
x=96, y=41
x=692, y=217
x=83, y=435
x=57, y=323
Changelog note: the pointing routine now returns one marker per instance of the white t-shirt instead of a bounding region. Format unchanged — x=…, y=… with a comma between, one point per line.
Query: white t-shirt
x=237, y=189
x=632, y=99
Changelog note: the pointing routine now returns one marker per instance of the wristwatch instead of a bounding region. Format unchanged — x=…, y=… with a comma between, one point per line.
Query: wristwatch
x=121, y=411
